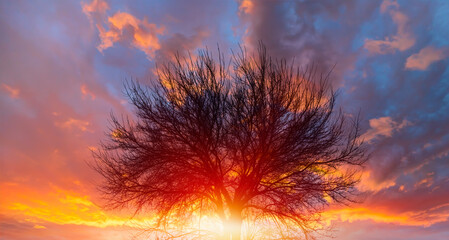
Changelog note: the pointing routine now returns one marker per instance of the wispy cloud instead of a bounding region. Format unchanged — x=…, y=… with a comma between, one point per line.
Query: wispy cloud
x=411, y=218
x=425, y=57
x=383, y=126
x=403, y=39
x=73, y=123
x=87, y=92
x=94, y=7
x=13, y=92
x=123, y=27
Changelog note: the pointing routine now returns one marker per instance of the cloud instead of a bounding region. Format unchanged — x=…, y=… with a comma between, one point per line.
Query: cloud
x=403, y=39
x=72, y=123
x=11, y=228
x=246, y=6
x=13, y=92
x=425, y=57
x=87, y=92
x=298, y=30
x=96, y=6
x=123, y=27
x=427, y=181
x=62, y=207
x=383, y=126
x=439, y=214
x=182, y=45
x=387, y=4
x=128, y=29
x=368, y=182
x=39, y=226
x=95, y=11
x=400, y=205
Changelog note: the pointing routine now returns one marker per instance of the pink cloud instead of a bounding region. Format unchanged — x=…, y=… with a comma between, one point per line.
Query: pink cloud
x=383, y=126
x=87, y=92
x=425, y=57
x=403, y=39
x=13, y=92
x=95, y=10
x=96, y=6
x=387, y=4
x=72, y=123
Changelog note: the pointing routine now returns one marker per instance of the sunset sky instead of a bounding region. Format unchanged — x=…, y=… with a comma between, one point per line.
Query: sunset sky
x=63, y=64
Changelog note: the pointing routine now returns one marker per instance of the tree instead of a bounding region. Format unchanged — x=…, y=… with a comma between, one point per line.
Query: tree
x=256, y=141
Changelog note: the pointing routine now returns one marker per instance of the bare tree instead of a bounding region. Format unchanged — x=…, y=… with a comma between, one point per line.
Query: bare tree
x=255, y=142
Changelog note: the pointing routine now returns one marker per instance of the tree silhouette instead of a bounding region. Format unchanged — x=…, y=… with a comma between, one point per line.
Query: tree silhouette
x=257, y=141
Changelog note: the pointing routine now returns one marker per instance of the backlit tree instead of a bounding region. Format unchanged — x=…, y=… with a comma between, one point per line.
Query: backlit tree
x=257, y=141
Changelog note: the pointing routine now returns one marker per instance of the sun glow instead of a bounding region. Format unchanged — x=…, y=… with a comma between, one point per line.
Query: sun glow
x=67, y=207
x=60, y=206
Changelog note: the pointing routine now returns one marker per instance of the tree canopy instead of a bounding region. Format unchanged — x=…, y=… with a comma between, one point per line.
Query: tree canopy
x=257, y=141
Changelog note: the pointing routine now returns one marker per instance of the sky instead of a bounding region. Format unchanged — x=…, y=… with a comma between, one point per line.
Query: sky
x=63, y=64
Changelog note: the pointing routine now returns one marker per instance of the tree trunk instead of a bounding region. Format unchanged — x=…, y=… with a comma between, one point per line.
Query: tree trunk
x=233, y=227
x=236, y=228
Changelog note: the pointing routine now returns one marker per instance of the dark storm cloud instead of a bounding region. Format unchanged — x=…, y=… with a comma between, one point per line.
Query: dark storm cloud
x=311, y=32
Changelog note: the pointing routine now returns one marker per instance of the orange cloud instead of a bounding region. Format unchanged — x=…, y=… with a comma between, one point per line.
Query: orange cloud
x=143, y=34
x=402, y=41
x=39, y=227
x=246, y=6
x=60, y=207
x=383, y=126
x=369, y=183
x=96, y=6
x=95, y=10
x=411, y=218
x=86, y=92
x=13, y=92
x=427, y=181
x=107, y=38
x=425, y=57
x=123, y=27
x=56, y=206
x=74, y=123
